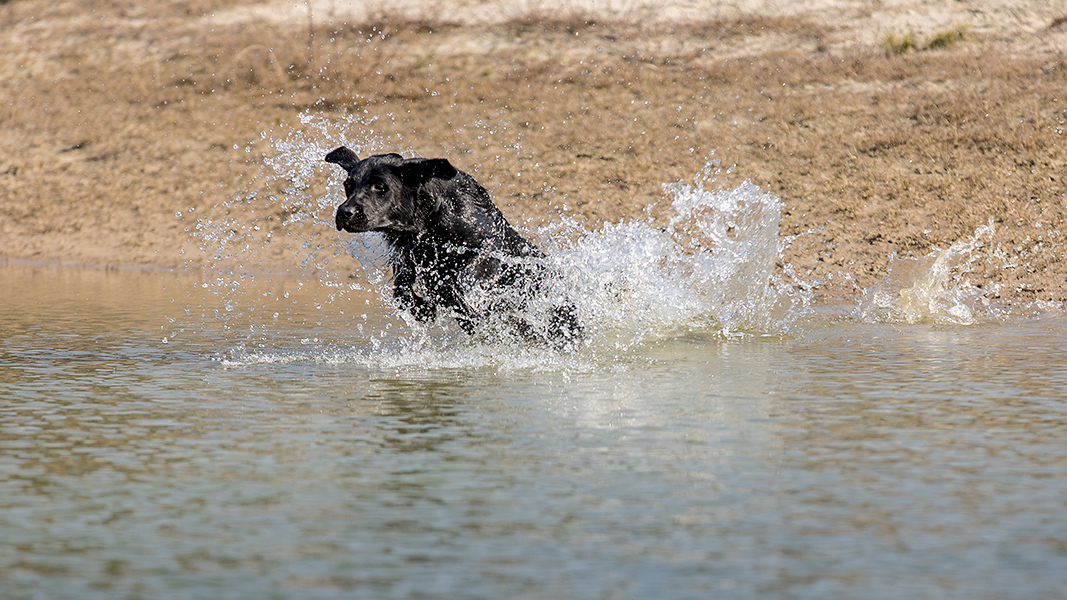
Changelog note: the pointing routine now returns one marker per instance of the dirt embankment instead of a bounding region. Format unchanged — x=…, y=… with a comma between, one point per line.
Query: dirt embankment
x=885, y=128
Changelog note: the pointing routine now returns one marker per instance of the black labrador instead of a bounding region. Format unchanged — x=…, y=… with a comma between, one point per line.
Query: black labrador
x=451, y=247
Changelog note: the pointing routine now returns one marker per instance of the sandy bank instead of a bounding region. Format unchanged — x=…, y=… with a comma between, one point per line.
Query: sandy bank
x=886, y=128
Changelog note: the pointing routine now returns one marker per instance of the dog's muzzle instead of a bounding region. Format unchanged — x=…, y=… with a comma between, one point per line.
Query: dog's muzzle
x=350, y=218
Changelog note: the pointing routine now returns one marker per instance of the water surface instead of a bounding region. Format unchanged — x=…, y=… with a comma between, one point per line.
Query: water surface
x=150, y=451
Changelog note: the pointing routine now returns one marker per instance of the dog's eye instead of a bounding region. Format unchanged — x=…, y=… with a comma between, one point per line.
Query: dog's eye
x=377, y=188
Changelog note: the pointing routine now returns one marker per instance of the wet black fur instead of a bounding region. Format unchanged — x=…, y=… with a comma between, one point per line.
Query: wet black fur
x=446, y=238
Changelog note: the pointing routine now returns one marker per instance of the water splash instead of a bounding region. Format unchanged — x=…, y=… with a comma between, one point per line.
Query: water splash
x=711, y=265
x=707, y=266
x=935, y=287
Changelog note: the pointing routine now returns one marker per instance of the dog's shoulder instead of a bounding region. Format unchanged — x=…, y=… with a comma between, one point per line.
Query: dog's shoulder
x=471, y=217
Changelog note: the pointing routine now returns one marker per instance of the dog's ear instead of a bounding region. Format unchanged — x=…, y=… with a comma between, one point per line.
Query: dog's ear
x=418, y=171
x=440, y=168
x=344, y=157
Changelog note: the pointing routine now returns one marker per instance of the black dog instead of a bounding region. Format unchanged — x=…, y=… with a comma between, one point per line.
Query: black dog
x=451, y=247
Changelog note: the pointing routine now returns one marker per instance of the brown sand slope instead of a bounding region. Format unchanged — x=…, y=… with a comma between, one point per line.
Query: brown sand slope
x=885, y=128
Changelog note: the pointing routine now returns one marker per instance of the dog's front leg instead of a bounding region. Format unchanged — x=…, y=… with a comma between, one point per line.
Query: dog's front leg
x=404, y=291
x=419, y=308
x=465, y=316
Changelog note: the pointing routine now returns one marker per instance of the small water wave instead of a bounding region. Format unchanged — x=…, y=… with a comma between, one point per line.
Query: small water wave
x=400, y=353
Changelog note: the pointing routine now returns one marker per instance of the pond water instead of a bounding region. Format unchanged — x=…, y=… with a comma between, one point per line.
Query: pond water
x=150, y=450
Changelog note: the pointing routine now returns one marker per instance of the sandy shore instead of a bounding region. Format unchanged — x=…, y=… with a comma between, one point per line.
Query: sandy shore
x=887, y=128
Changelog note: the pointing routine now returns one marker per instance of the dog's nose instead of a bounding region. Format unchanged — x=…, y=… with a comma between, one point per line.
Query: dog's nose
x=345, y=214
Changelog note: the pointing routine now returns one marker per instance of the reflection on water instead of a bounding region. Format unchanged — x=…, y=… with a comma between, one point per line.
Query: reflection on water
x=264, y=456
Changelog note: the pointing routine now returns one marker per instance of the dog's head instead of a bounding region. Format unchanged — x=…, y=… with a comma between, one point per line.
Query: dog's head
x=386, y=192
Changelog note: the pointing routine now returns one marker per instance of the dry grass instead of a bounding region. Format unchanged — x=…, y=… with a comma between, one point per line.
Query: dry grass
x=113, y=125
